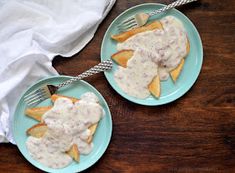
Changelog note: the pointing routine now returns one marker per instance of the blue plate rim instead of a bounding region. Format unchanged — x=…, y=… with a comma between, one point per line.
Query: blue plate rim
x=109, y=137
x=131, y=99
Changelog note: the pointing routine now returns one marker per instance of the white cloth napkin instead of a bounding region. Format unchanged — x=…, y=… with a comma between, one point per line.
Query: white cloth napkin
x=32, y=32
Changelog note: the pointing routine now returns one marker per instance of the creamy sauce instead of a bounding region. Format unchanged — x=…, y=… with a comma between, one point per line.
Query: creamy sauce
x=156, y=52
x=68, y=124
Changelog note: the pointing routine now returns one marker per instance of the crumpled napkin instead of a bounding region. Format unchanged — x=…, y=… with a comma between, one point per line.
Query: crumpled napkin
x=32, y=32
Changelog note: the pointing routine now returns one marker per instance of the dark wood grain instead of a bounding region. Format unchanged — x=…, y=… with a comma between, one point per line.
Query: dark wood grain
x=194, y=134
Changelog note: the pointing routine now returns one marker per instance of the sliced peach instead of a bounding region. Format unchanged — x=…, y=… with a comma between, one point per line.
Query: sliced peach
x=122, y=57
x=37, y=130
x=125, y=35
x=74, y=152
x=155, y=87
x=36, y=113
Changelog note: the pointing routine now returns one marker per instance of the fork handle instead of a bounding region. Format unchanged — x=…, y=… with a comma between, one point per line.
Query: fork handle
x=103, y=66
x=170, y=6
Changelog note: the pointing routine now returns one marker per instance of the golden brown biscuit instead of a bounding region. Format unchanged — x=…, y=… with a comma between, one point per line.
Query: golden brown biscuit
x=122, y=57
x=74, y=152
x=37, y=130
x=155, y=87
x=36, y=113
x=92, y=128
x=125, y=35
x=56, y=96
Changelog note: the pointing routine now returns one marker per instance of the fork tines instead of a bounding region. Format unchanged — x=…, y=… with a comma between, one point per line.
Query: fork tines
x=38, y=95
x=127, y=24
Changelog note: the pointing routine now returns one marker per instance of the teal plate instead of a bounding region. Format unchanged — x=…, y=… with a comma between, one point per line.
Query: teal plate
x=101, y=138
x=170, y=91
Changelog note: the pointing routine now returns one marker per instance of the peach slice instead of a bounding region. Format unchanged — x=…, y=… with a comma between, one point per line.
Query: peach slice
x=125, y=35
x=155, y=87
x=36, y=113
x=37, y=130
x=122, y=57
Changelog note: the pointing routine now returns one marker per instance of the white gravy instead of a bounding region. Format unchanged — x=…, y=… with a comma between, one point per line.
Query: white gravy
x=68, y=124
x=156, y=52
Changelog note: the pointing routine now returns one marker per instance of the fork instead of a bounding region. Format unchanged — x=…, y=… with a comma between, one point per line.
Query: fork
x=46, y=91
x=141, y=19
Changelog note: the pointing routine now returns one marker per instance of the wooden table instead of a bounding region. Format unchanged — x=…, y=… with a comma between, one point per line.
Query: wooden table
x=194, y=134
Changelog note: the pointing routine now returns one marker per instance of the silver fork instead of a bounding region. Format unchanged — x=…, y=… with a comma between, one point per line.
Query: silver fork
x=141, y=19
x=46, y=91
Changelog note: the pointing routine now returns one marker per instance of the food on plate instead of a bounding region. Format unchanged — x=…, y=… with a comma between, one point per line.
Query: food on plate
x=65, y=131
x=125, y=35
x=155, y=87
x=40, y=129
x=74, y=152
x=122, y=57
x=36, y=113
x=56, y=96
x=175, y=72
x=37, y=130
x=149, y=56
x=92, y=128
